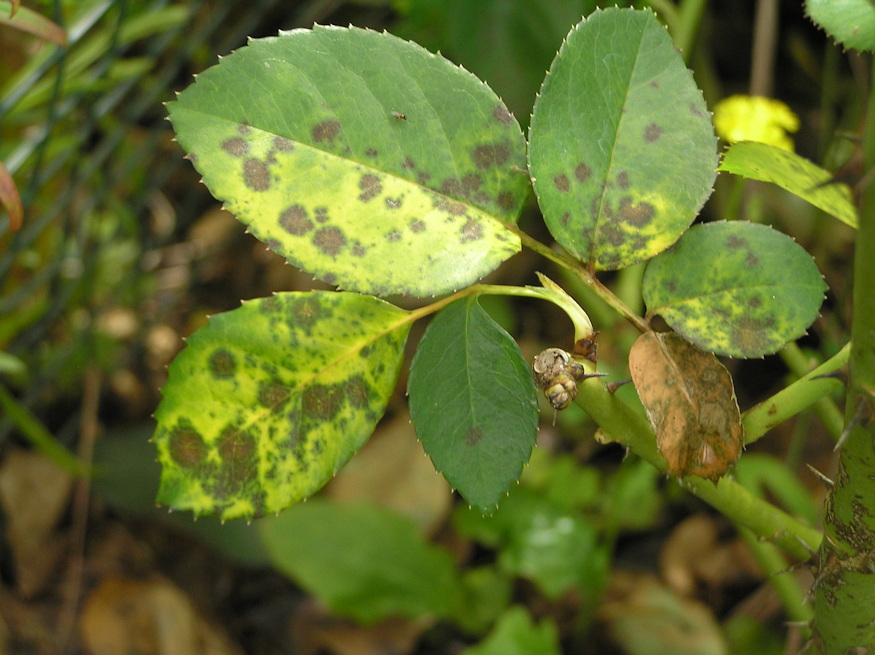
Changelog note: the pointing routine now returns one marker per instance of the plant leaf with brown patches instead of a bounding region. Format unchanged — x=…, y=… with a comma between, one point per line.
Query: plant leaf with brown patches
x=622, y=149
x=738, y=289
x=268, y=401
x=690, y=403
x=473, y=402
x=301, y=136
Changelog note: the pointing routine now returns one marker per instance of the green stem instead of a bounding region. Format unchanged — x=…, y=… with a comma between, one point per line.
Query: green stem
x=784, y=583
x=586, y=276
x=830, y=415
x=809, y=389
x=846, y=590
x=631, y=429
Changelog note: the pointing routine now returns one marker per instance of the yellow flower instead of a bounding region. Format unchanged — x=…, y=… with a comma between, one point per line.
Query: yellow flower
x=753, y=118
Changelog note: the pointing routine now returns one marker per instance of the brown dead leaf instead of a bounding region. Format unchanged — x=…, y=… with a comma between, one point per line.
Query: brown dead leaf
x=644, y=617
x=317, y=631
x=690, y=403
x=125, y=615
x=34, y=493
x=696, y=558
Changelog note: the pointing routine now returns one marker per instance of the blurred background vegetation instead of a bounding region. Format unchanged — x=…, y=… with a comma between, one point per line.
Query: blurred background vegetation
x=122, y=253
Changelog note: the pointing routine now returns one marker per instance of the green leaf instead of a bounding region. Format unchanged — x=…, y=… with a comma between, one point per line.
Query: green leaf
x=269, y=400
x=737, y=289
x=760, y=161
x=473, y=402
x=623, y=152
x=516, y=633
x=361, y=158
x=850, y=22
x=542, y=542
x=362, y=561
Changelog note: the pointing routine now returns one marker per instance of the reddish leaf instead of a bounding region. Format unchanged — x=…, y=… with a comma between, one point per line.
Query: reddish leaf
x=10, y=199
x=690, y=403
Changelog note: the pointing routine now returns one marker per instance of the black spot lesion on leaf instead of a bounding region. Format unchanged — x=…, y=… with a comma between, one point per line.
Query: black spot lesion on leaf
x=256, y=174
x=370, y=187
x=638, y=215
x=325, y=131
x=272, y=393
x=322, y=402
x=295, y=220
x=306, y=311
x=582, y=172
x=473, y=436
x=186, y=445
x=488, y=155
x=330, y=240
x=652, y=132
x=235, y=146
x=562, y=183
x=222, y=364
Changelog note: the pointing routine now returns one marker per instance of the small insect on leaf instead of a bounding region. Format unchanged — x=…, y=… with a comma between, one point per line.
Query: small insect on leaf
x=557, y=374
x=399, y=115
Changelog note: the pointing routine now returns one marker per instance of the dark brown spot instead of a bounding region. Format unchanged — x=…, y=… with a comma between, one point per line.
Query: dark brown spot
x=371, y=152
x=652, y=132
x=452, y=186
x=423, y=177
x=393, y=235
x=417, y=225
x=506, y=200
x=244, y=129
x=321, y=402
x=502, y=115
x=734, y=242
x=393, y=203
x=359, y=250
x=370, y=187
x=562, y=183
x=330, y=240
x=638, y=215
x=305, y=311
x=473, y=436
x=695, y=111
x=358, y=394
x=256, y=175
x=471, y=231
x=754, y=302
x=751, y=260
x=489, y=155
x=325, y=131
x=187, y=447
x=470, y=183
x=582, y=172
x=295, y=220
x=236, y=147
x=235, y=446
x=283, y=144
x=272, y=393
x=222, y=364
x=408, y=163
x=654, y=84
x=623, y=180
x=321, y=214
